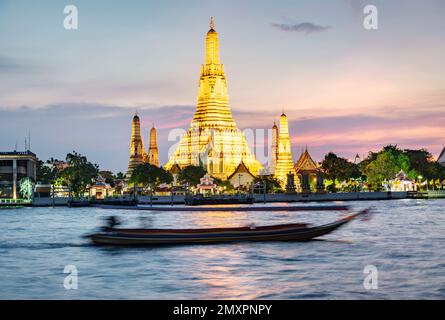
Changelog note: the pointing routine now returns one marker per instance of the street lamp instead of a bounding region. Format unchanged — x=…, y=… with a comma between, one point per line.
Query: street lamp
x=420, y=181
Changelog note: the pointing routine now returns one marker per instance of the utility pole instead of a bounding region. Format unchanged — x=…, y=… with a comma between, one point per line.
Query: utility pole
x=151, y=192
x=264, y=191
x=53, y=194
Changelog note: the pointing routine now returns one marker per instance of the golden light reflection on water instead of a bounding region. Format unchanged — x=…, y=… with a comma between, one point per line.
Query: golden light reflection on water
x=219, y=219
x=222, y=278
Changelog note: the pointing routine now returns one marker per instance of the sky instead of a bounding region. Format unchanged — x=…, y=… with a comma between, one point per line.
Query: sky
x=344, y=88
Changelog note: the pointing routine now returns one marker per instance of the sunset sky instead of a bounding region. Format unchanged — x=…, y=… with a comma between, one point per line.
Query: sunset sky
x=344, y=88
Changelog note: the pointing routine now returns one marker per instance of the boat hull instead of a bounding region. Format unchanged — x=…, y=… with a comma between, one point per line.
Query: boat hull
x=140, y=237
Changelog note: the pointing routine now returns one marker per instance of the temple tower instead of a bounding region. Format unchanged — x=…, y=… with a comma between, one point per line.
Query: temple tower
x=274, y=149
x=137, y=150
x=213, y=139
x=153, y=154
x=285, y=163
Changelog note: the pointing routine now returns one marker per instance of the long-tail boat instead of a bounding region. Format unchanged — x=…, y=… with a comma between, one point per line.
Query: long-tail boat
x=284, y=232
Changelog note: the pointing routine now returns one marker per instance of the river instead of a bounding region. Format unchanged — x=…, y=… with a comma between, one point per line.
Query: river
x=404, y=241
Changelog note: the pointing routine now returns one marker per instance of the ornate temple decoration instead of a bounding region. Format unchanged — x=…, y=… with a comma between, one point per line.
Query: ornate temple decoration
x=207, y=184
x=213, y=140
x=153, y=153
x=241, y=176
x=274, y=149
x=284, y=162
x=137, y=150
x=305, y=163
x=309, y=173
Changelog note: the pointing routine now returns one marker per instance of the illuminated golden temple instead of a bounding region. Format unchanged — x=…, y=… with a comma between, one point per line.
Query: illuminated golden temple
x=213, y=140
x=137, y=150
x=153, y=153
x=284, y=162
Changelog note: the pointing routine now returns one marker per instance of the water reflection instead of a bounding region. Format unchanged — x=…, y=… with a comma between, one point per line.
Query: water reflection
x=404, y=239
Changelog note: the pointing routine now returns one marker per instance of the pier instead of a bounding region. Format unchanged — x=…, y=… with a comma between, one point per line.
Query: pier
x=258, y=198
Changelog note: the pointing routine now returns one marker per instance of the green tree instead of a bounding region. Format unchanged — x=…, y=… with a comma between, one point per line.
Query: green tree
x=79, y=174
x=385, y=167
x=191, y=175
x=109, y=177
x=336, y=168
x=424, y=164
x=149, y=175
x=225, y=184
x=272, y=184
x=373, y=155
x=119, y=176
x=26, y=188
x=45, y=174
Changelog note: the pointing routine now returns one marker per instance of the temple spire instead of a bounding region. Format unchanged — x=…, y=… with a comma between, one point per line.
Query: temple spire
x=213, y=139
x=212, y=46
x=137, y=152
x=284, y=164
x=153, y=153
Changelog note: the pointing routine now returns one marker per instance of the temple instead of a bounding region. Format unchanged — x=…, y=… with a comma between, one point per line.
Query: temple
x=213, y=139
x=137, y=150
x=274, y=149
x=153, y=153
x=309, y=174
x=284, y=161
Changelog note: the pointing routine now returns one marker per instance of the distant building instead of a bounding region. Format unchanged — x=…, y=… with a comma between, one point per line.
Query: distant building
x=402, y=183
x=308, y=173
x=153, y=153
x=137, y=150
x=56, y=164
x=15, y=166
x=441, y=159
x=206, y=185
x=100, y=189
x=241, y=176
x=284, y=162
x=175, y=170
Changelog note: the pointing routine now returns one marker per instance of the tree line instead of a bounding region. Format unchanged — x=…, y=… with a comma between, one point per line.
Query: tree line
x=373, y=171
x=382, y=166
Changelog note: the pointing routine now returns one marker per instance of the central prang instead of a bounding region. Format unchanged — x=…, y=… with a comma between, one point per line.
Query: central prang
x=213, y=140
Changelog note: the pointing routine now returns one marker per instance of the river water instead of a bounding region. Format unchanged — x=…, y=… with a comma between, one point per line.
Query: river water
x=404, y=241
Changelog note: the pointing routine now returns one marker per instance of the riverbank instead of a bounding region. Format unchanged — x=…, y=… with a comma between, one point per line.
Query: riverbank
x=270, y=198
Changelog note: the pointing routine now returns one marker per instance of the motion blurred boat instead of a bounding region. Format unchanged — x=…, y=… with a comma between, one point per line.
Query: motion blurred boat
x=284, y=232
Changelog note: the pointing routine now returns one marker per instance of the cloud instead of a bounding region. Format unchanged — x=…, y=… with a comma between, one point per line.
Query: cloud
x=101, y=132
x=304, y=27
x=8, y=64
x=14, y=65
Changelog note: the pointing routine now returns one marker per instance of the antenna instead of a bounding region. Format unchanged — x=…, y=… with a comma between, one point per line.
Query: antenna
x=29, y=140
